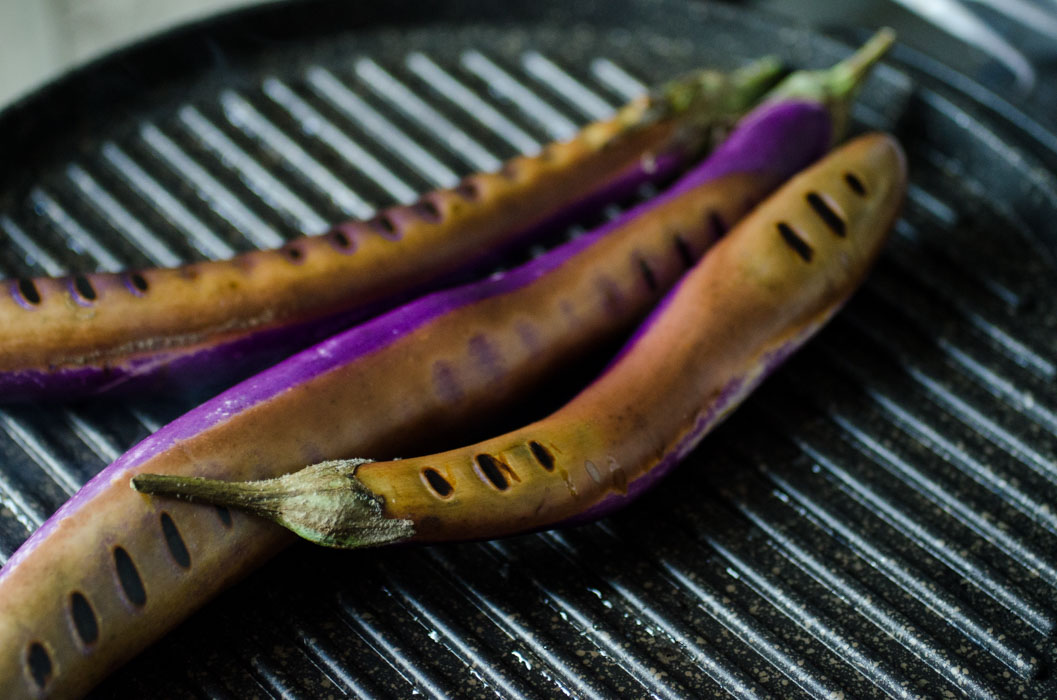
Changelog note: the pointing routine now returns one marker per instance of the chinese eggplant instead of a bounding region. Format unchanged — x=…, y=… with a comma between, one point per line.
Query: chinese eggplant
x=155, y=328
x=755, y=297
x=135, y=566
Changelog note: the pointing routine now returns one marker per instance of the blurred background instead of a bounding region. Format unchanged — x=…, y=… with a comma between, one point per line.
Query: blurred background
x=40, y=39
x=1009, y=46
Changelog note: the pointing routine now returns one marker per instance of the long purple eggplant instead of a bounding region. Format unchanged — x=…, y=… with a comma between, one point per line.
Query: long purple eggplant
x=167, y=328
x=130, y=567
x=755, y=298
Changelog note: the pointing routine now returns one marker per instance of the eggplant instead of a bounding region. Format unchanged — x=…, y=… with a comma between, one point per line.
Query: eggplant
x=753, y=300
x=171, y=329
x=134, y=566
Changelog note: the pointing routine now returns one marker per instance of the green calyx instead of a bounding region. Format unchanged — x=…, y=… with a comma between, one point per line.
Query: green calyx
x=836, y=87
x=709, y=102
x=324, y=503
x=705, y=102
x=710, y=92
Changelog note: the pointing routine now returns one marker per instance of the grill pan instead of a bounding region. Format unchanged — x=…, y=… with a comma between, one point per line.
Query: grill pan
x=878, y=519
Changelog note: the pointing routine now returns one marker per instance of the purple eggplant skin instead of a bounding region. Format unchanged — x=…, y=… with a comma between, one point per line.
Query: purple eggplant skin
x=759, y=294
x=167, y=329
x=446, y=360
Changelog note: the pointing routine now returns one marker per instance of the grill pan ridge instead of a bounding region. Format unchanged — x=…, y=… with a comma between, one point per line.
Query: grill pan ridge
x=877, y=520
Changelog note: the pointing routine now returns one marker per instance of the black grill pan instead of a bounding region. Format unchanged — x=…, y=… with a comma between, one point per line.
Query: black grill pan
x=878, y=519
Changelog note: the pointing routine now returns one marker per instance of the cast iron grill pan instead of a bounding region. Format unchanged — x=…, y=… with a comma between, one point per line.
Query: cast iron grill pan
x=878, y=519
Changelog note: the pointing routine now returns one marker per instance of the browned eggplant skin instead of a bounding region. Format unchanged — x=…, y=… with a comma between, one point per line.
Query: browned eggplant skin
x=753, y=298
x=398, y=396
x=359, y=265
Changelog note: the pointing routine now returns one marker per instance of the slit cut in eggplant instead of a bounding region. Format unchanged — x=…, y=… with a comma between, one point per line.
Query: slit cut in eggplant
x=492, y=470
x=341, y=240
x=795, y=241
x=685, y=254
x=84, y=288
x=129, y=578
x=138, y=282
x=717, y=224
x=84, y=621
x=385, y=226
x=647, y=274
x=855, y=184
x=437, y=482
x=427, y=210
x=542, y=455
x=175, y=542
x=825, y=212
x=38, y=661
x=28, y=289
x=468, y=190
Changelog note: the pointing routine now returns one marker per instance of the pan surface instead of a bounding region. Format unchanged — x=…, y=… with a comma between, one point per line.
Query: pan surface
x=877, y=520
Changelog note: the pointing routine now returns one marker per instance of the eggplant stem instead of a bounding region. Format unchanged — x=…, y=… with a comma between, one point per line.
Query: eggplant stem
x=324, y=503
x=851, y=71
x=235, y=494
x=755, y=78
x=708, y=93
x=836, y=87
